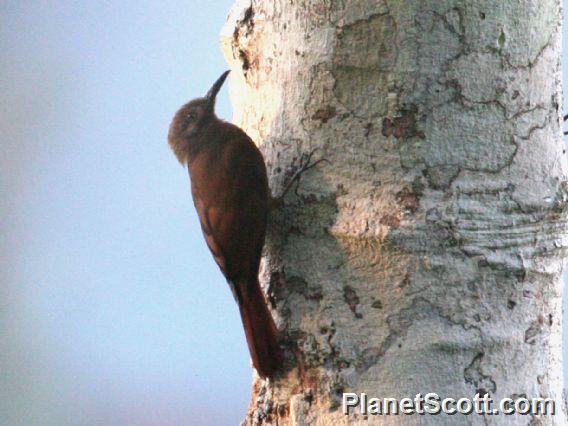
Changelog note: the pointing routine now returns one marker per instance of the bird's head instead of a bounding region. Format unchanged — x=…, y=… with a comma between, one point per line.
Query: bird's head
x=192, y=119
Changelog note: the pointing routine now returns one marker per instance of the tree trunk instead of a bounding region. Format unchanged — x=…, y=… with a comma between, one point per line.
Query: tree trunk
x=427, y=256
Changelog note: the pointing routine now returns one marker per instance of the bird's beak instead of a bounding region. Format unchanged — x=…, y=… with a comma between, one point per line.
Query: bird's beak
x=212, y=93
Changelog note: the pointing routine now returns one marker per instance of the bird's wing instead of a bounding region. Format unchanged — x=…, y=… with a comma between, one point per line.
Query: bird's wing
x=234, y=228
x=212, y=223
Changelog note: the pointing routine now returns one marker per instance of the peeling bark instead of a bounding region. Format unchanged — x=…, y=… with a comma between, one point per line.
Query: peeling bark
x=427, y=257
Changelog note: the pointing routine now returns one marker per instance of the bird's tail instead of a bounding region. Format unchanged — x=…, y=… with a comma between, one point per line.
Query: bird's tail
x=260, y=330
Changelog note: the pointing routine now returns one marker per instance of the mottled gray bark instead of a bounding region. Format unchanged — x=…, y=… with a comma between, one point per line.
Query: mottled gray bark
x=427, y=257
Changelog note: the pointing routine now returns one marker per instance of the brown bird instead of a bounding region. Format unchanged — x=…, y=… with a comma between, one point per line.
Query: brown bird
x=231, y=195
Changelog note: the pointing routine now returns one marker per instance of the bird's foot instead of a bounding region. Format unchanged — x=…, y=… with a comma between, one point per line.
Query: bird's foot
x=306, y=164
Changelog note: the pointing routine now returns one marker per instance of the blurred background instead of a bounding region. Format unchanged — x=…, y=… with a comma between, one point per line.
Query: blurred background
x=112, y=311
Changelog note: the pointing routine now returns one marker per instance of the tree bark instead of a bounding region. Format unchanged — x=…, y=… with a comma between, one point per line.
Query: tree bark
x=428, y=255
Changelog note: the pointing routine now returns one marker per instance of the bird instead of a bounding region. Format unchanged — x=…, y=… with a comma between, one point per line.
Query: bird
x=230, y=191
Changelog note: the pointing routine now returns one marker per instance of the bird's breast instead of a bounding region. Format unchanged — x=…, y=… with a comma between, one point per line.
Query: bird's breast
x=210, y=183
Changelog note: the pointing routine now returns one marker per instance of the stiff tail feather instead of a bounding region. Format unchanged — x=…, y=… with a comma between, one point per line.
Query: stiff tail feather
x=260, y=330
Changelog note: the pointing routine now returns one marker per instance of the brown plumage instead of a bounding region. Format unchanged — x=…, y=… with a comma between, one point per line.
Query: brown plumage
x=231, y=195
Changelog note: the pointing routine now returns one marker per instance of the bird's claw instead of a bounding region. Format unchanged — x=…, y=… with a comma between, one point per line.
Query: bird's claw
x=306, y=164
x=306, y=161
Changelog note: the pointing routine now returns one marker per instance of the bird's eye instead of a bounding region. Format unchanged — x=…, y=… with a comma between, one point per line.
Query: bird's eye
x=191, y=116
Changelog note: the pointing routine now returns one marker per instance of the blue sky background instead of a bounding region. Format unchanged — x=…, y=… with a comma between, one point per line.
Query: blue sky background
x=112, y=311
